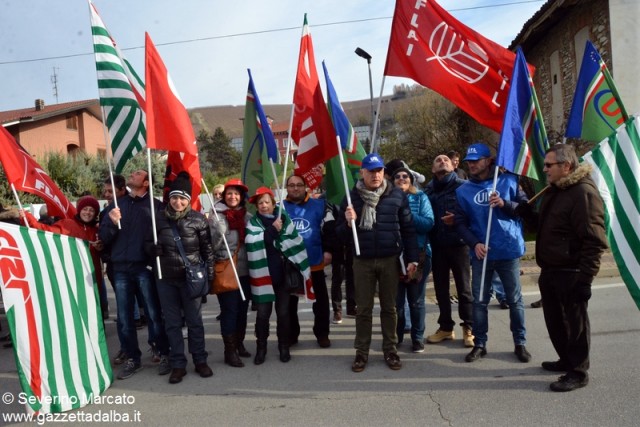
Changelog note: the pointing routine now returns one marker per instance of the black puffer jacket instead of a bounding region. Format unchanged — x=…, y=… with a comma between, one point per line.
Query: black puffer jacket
x=196, y=239
x=393, y=231
x=442, y=195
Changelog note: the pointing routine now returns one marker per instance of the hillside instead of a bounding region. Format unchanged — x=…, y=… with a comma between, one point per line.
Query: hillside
x=229, y=117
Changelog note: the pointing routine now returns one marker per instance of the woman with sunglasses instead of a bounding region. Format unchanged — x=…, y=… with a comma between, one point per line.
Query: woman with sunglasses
x=413, y=288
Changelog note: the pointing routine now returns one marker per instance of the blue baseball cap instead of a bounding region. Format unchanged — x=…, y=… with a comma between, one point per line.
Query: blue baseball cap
x=372, y=161
x=477, y=151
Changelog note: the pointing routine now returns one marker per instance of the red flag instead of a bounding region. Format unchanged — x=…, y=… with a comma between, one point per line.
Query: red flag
x=312, y=129
x=27, y=175
x=436, y=50
x=168, y=124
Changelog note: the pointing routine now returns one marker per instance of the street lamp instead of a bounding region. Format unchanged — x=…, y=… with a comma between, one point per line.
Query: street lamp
x=363, y=54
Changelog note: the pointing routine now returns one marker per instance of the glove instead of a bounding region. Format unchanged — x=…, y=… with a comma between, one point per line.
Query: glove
x=524, y=210
x=582, y=291
x=157, y=250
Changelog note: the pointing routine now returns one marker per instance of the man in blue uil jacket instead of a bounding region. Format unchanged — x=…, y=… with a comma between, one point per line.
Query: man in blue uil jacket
x=316, y=225
x=506, y=244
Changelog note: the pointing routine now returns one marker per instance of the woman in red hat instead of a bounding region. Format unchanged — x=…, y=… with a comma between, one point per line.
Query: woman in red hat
x=271, y=236
x=231, y=221
x=82, y=226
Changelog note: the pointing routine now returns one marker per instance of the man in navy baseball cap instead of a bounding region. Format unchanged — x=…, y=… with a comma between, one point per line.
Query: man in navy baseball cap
x=372, y=161
x=477, y=151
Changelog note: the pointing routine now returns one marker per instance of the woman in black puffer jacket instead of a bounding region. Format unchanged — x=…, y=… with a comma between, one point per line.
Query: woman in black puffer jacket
x=194, y=234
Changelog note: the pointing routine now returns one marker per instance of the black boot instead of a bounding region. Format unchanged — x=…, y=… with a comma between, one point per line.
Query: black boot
x=242, y=352
x=230, y=353
x=262, y=333
x=285, y=356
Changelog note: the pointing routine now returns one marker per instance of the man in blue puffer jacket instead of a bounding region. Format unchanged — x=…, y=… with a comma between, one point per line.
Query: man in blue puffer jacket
x=385, y=229
x=506, y=244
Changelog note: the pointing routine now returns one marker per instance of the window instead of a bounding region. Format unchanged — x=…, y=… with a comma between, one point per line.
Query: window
x=72, y=121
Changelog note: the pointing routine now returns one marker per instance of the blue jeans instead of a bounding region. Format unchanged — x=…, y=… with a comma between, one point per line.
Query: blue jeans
x=126, y=284
x=415, y=296
x=509, y=273
x=497, y=288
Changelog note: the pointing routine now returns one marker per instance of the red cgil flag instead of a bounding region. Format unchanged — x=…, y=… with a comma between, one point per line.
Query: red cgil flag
x=28, y=176
x=436, y=50
x=312, y=128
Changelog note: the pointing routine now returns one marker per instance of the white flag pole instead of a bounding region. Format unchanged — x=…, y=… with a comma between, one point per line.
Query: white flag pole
x=224, y=239
x=15, y=194
x=347, y=191
x=153, y=210
x=486, y=241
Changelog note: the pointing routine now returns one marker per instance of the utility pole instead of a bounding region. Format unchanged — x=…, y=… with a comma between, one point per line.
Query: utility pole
x=54, y=82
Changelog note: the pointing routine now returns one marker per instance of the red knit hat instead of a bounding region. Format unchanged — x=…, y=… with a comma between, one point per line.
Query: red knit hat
x=85, y=201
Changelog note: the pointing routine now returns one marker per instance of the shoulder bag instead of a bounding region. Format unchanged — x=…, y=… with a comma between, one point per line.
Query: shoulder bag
x=196, y=280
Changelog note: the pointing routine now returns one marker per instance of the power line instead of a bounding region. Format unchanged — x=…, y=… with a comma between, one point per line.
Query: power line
x=253, y=33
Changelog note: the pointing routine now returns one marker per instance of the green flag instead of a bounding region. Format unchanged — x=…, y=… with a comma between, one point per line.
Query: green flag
x=53, y=310
x=259, y=146
x=121, y=93
x=616, y=162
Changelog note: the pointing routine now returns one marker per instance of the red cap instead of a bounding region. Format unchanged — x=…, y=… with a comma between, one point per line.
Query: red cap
x=236, y=182
x=260, y=192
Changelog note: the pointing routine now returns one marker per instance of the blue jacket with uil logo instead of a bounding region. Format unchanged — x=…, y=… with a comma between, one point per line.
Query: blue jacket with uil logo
x=472, y=215
x=311, y=219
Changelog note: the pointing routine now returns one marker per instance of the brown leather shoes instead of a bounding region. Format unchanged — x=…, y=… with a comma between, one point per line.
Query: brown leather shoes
x=359, y=363
x=393, y=361
x=204, y=370
x=176, y=375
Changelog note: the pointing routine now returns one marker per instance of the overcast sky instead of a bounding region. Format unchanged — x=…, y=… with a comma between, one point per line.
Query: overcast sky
x=207, y=45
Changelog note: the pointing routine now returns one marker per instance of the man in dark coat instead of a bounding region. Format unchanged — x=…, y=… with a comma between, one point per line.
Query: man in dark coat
x=569, y=244
x=385, y=230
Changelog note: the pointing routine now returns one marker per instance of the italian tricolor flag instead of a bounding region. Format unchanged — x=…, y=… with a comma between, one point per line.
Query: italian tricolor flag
x=52, y=306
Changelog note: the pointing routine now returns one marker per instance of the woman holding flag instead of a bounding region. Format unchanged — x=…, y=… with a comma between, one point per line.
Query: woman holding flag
x=270, y=237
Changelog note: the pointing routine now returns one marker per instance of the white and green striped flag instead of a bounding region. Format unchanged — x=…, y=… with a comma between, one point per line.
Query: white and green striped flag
x=53, y=310
x=121, y=93
x=616, y=167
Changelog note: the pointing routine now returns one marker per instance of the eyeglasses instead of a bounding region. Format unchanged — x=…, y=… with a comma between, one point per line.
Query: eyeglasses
x=401, y=176
x=295, y=185
x=548, y=165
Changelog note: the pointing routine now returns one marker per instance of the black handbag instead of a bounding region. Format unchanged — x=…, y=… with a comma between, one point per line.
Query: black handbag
x=196, y=280
x=293, y=279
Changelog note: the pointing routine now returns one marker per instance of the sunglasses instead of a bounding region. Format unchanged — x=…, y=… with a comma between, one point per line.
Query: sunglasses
x=401, y=176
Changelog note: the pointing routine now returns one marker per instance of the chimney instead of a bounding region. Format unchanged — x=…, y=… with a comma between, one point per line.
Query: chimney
x=39, y=104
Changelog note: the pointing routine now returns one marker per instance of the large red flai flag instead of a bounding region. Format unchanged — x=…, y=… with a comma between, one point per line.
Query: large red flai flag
x=436, y=50
x=28, y=176
x=168, y=124
x=312, y=128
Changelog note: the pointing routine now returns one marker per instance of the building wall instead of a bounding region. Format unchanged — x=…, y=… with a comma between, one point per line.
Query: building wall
x=626, y=62
x=52, y=135
x=557, y=58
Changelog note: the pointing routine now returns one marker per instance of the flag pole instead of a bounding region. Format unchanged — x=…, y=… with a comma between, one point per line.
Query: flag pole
x=15, y=194
x=356, y=242
x=486, y=241
x=375, y=122
x=153, y=211
x=107, y=138
x=224, y=239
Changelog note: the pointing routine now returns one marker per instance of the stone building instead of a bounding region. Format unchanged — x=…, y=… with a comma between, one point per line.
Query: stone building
x=553, y=40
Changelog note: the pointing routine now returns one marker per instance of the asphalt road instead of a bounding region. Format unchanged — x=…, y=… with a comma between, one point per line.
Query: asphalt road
x=437, y=387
